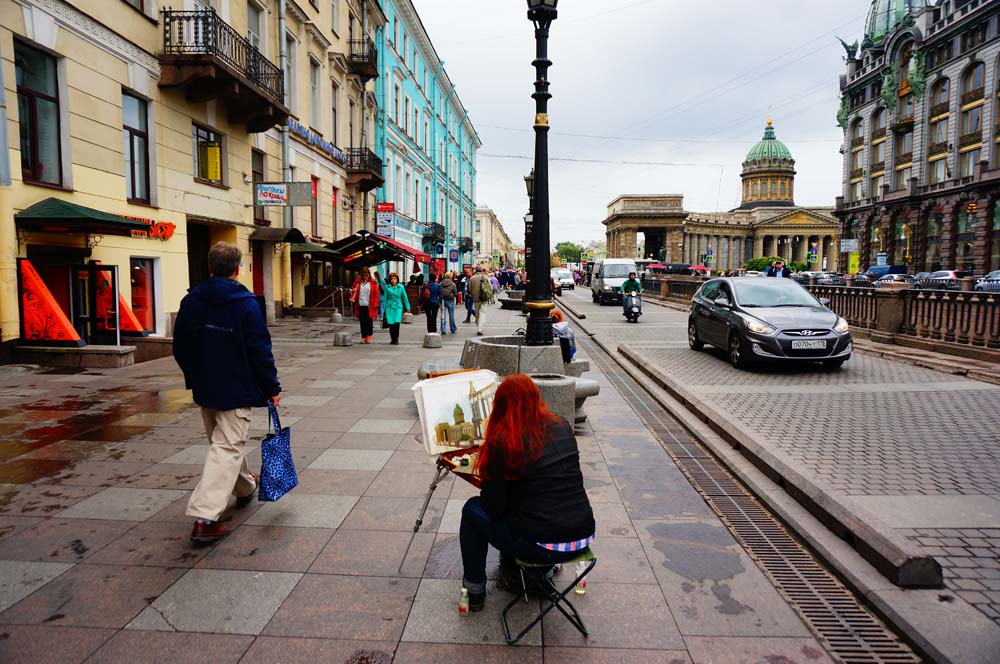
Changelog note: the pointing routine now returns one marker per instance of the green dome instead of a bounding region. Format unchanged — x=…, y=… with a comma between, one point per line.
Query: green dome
x=768, y=148
x=885, y=15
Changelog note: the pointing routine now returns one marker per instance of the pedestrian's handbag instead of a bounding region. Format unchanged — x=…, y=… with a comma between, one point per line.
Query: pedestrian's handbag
x=277, y=468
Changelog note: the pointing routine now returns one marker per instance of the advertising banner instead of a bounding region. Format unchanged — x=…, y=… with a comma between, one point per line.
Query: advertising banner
x=853, y=262
x=849, y=245
x=283, y=194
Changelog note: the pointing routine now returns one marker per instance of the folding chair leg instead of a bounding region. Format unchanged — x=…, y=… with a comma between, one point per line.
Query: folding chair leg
x=555, y=600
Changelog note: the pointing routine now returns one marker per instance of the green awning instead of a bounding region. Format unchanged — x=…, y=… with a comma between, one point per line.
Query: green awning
x=316, y=251
x=57, y=216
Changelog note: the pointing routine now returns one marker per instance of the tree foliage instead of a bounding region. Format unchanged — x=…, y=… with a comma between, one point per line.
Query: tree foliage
x=761, y=264
x=569, y=252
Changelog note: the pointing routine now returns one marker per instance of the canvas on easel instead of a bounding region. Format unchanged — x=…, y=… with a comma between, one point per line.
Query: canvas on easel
x=454, y=410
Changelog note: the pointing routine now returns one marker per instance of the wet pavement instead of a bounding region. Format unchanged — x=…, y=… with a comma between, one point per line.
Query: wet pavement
x=96, y=565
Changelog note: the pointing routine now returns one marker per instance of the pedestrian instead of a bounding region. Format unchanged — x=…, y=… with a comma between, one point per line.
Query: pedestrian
x=532, y=505
x=517, y=280
x=494, y=282
x=777, y=269
x=417, y=278
x=480, y=293
x=365, y=296
x=449, y=293
x=222, y=346
x=562, y=330
x=431, y=300
x=395, y=303
x=381, y=298
x=466, y=297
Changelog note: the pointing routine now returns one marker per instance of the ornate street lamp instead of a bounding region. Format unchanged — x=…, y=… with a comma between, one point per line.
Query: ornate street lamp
x=537, y=255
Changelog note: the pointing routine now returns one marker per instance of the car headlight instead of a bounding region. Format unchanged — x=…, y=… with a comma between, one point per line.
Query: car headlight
x=607, y=288
x=841, y=326
x=759, y=328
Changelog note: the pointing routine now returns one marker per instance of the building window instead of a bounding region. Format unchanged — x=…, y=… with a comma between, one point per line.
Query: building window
x=774, y=188
x=315, y=97
x=406, y=116
x=405, y=50
x=973, y=83
x=857, y=133
x=902, y=178
x=904, y=147
x=135, y=134
x=290, y=72
x=753, y=188
x=974, y=37
x=207, y=154
x=782, y=187
x=397, y=103
x=427, y=131
x=395, y=30
x=967, y=163
x=878, y=122
x=253, y=24
x=138, y=4
x=856, y=191
x=938, y=171
x=940, y=100
x=143, y=292
x=857, y=159
x=906, y=107
x=877, y=183
x=972, y=121
x=38, y=110
x=939, y=136
x=336, y=215
x=334, y=102
x=257, y=175
x=314, y=207
x=335, y=16
x=350, y=122
x=878, y=155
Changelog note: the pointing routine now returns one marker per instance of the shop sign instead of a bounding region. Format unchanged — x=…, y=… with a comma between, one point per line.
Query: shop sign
x=385, y=207
x=283, y=194
x=158, y=230
x=881, y=259
x=314, y=139
x=439, y=249
x=453, y=255
x=849, y=245
x=385, y=218
x=853, y=262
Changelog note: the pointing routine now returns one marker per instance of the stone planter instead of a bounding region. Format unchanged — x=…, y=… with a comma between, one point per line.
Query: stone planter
x=559, y=392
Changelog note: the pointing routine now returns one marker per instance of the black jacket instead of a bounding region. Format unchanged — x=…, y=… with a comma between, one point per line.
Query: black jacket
x=785, y=272
x=547, y=504
x=222, y=345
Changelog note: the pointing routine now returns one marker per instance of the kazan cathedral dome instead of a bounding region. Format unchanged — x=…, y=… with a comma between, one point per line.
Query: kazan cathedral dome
x=768, y=174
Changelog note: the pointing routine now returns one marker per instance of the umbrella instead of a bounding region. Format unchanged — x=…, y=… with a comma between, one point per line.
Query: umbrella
x=656, y=266
x=699, y=267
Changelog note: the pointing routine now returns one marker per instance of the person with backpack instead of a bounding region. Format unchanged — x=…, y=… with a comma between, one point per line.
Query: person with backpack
x=449, y=293
x=480, y=292
x=431, y=301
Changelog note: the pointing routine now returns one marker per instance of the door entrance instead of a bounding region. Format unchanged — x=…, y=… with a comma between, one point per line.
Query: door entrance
x=199, y=241
x=96, y=310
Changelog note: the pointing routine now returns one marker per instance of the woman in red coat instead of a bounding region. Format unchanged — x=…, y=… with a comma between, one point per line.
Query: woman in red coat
x=365, y=296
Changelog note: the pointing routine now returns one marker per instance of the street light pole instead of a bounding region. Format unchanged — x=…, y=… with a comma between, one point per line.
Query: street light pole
x=537, y=253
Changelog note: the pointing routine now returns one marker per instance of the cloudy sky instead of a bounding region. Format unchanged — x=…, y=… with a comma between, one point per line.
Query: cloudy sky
x=682, y=87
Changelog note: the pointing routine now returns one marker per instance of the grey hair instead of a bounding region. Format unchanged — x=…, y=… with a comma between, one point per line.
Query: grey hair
x=224, y=259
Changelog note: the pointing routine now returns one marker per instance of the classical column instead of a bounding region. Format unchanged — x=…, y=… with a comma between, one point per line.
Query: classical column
x=758, y=246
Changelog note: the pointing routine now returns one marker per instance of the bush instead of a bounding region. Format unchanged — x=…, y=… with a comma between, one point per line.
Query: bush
x=761, y=264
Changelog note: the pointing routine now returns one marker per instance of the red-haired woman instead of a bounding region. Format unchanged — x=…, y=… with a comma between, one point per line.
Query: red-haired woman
x=532, y=505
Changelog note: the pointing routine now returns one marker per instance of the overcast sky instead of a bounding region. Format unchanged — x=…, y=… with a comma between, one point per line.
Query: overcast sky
x=686, y=84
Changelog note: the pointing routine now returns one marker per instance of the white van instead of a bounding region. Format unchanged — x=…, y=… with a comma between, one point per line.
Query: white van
x=609, y=275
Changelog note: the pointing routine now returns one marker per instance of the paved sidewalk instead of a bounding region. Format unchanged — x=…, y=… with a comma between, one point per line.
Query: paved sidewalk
x=96, y=566
x=918, y=449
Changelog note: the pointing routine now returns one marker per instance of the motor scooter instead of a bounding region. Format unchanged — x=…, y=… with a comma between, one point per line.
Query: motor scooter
x=633, y=307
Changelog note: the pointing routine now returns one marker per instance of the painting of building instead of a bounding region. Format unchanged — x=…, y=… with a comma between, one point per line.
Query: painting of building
x=454, y=409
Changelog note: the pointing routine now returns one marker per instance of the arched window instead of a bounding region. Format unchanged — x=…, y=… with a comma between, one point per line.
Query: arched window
x=903, y=75
x=754, y=188
x=878, y=122
x=940, y=97
x=973, y=83
x=782, y=187
x=857, y=135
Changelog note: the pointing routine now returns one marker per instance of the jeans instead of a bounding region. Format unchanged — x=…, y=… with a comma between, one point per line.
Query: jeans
x=449, y=308
x=468, y=307
x=478, y=531
x=364, y=315
x=431, y=310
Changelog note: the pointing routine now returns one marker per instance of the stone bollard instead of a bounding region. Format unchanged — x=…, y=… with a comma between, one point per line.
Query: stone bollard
x=968, y=284
x=407, y=318
x=336, y=317
x=432, y=340
x=559, y=392
x=849, y=281
x=812, y=279
x=343, y=339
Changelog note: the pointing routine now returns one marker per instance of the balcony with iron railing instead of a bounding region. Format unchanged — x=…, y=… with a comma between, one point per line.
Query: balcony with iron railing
x=973, y=96
x=465, y=244
x=364, y=169
x=435, y=232
x=362, y=58
x=939, y=109
x=209, y=59
x=970, y=139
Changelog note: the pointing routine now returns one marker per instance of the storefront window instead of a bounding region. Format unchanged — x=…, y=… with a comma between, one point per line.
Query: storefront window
x=932, y=258
x=995, y=240
x=143, y=298
x=966, y=240
x=38, y=110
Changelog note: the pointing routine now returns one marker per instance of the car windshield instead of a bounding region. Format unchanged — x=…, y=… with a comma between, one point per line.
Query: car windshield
x=563, y=274
x=995, y=274
x=616, y=271
x=772, y=293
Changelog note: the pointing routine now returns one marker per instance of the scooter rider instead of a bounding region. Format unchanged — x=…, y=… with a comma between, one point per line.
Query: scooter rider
x=630, y=287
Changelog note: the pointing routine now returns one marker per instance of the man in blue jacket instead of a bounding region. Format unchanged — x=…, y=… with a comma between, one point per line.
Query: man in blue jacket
x=223, y=347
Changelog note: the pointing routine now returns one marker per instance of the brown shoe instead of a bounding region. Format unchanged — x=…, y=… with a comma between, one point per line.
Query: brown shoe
x=243, y=501
x=206, y=533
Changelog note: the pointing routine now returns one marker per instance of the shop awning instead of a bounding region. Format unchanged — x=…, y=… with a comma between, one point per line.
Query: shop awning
x=317, y=252
x=367, y=249
x=277, y=234
x=58, y=216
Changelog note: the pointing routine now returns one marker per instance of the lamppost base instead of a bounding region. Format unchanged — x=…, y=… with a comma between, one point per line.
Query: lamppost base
x=539, y=331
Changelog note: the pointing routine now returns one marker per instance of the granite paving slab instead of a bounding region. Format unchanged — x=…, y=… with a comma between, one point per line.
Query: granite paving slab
x=271, y=649
x=432, y=653
x=152, y=543
x=147, y=647
x=49, y=644
x=123, y=504
x=267, y=548
x=218, y=602
x=374, y=553
x=347, y=459
x=62, y=540
x=18, y=579
x=304, y=511
x=732, y=650
x=381, y=426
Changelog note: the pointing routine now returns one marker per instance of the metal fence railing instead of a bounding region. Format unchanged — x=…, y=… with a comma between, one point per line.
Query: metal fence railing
x=955, y=317
x=202, y=32
x=858, y=306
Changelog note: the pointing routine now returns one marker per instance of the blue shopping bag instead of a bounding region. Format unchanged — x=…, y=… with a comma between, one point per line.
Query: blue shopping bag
x=277, y=468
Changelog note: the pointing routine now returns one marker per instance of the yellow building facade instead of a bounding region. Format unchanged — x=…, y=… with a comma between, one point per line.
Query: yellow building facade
x=492, y=240
x=167, y=118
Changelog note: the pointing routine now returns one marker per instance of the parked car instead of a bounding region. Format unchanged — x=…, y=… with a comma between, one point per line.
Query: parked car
x=767, y=320
x=878, y=271
x=989, y=283
x=863, y=281
x=893, y=278
x=829, y=279
x=942, y=280
x=609, y=275
x=564, y=278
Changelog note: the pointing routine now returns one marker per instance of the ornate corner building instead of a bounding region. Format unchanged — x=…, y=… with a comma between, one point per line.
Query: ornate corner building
x=767, y=222
x=919, y=109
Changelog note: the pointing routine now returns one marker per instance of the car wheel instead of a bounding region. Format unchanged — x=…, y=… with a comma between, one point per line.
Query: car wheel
x=834, y=364
x=736, y=356
x=693, y=341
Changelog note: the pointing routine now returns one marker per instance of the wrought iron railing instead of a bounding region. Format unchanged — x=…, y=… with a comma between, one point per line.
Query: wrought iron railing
x=955, y=317
x=878, y=166
x=973, y=95
x=878, y=133
x=939, y=109
x=858, y=142
x=362, y=54
x=904, y=158
x=858, y=306
x=363, y=159
x=465, y=244
x=857, y=173
x=970, y=139
x=938, y=148
x=202, y=32
x=435, y=232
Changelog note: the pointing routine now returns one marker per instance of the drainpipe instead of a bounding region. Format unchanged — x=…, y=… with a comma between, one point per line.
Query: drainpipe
x=364, y=108
x=9, y=327
x=286, y=168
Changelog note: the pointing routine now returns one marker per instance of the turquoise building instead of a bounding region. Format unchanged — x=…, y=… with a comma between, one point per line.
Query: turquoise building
x=427, y=143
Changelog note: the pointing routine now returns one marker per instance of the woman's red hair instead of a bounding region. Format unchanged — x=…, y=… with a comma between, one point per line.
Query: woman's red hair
x=515, y=432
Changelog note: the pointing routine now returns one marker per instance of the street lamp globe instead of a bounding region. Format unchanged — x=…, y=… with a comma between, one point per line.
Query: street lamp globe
x=529, y=183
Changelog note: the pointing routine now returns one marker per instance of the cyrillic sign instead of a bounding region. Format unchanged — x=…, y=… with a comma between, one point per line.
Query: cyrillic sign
x=312, y=138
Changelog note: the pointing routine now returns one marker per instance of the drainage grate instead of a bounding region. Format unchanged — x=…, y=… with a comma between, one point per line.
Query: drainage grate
x=850, y=631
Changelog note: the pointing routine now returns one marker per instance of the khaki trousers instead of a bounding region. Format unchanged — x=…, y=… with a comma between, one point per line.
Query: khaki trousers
x=480, y=308
x=226, y=472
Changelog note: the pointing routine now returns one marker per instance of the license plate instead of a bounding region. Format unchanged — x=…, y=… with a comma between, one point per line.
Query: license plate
x=817, y=344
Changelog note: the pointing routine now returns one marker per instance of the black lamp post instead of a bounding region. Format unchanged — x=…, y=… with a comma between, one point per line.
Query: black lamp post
x=536, y=231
